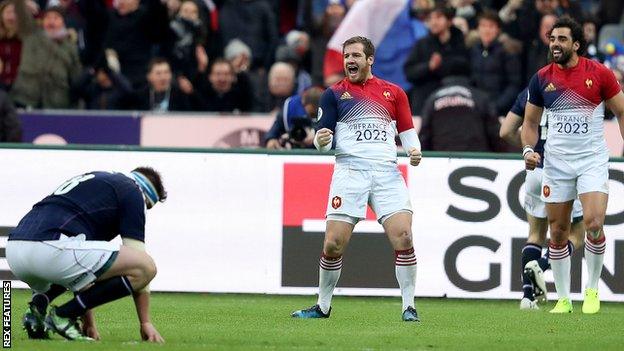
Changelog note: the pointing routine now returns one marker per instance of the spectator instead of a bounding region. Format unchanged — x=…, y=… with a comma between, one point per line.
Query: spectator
x=162, y=94
x=458, y=117
x=289, y=55
x=49, y=65
x=281, y=85
x=325, y=20
x=494, y=69
x=610, y=12
x=589, y=32
x=293, y=126
x=104, y=89
x=133, y=30
x=10, y=127
x=222, y=92
x=188, y=56
x=434, y=56
x=538, y=52
x=253, y=22
x=10, y=45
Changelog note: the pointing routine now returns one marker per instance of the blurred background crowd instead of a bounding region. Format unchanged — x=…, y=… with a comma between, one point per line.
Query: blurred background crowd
x=238, y=56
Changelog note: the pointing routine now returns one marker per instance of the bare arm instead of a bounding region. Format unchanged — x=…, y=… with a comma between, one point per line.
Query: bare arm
x=509, y=129
x=616, y=105
x=532, y=115
x=529, y=135
x=148, y=331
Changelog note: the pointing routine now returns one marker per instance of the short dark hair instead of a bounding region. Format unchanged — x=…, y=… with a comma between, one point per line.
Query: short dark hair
x=156, y=180
x=156, y=61
x=491, y=16
x=576, y=31
x=369, y=48
x=312, y=96
x=444, y=10
x=221, y=61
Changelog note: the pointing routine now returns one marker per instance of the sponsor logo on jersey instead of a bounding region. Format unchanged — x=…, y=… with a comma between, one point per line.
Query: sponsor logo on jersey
x=546, y=191
x=336, y=202
x=319, y=114
x=550, y=87
x=588, y=83
x=346, y=96
x=386, y=94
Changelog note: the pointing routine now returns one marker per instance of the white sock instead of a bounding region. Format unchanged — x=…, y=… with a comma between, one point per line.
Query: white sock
x=329, y=272
x=594, y=256
x=559, y=258
x=405, y=269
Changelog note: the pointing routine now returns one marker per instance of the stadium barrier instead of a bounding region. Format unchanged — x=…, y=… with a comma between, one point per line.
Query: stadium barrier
x=252, y=222
x=206, y=130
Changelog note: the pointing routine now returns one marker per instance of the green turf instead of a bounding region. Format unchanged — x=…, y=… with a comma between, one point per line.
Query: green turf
x=260, y=322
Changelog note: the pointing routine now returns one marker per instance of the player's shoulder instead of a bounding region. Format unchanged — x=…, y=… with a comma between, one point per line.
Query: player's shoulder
x=545, y=71
x=388, y=84
x=592, y=65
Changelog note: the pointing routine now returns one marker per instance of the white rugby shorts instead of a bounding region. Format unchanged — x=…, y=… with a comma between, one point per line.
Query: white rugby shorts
x=72, y=262
x=566, y=178
x=533, y=203
x=353, y=189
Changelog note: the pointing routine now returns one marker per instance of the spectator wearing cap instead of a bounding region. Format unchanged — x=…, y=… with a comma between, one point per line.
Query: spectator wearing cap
x=494, y=69
x=49, y=65
x=220, y=91
x=434, y=56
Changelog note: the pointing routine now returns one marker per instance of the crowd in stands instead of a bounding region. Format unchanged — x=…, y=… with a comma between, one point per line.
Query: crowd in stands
x=252, y=55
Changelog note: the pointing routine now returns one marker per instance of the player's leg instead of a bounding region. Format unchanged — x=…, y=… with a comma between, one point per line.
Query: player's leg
x=33, y=320
x=594, y=210
x=391, y=202
x=577, y=235
x=337, y=234
x=346, y=205
x=131, y=270
x=398, y=227
x=559, y=252
x=533, y=283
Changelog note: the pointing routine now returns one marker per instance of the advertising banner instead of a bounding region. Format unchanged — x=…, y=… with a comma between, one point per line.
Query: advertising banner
x=254, y=222
x=80, y=128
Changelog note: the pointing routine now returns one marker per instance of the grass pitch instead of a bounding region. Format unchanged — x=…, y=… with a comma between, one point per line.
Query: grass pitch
x=262, y=322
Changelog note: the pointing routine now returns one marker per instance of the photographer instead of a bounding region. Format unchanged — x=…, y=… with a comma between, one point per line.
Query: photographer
x=294, y=124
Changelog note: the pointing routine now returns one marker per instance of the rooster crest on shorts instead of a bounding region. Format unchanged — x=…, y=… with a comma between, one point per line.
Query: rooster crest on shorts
x=546, y=190
x=336, y=202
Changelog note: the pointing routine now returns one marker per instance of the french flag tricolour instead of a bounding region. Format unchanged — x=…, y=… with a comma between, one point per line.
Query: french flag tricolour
x=388, y=25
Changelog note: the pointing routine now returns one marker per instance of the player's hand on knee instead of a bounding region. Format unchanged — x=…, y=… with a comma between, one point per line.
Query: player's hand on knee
x=415, y=156
x=323, y=136
x=150, y=334
x=531, y=160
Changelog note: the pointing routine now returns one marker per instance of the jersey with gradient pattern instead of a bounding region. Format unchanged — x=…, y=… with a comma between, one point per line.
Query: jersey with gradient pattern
x=573, y=100
x=365, y=118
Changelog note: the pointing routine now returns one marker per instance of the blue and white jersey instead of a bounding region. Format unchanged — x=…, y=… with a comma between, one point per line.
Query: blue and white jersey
x=100, y=205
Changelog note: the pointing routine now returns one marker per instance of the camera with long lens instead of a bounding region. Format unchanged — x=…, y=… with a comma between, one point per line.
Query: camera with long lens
x=297, y=134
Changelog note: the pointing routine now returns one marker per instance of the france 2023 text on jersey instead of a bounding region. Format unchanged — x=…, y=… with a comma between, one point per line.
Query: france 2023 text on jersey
x=573, y=100
x=365, y=118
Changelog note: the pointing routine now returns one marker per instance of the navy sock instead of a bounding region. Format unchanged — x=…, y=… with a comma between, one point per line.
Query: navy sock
x=100, y=293
x=530, y=252
x=41, y=301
